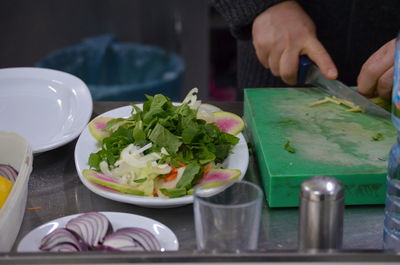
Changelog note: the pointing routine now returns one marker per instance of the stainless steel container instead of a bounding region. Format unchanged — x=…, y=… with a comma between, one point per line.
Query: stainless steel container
x=321, y=214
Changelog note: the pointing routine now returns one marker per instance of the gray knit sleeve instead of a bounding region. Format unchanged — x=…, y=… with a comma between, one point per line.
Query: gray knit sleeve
x=240, y=14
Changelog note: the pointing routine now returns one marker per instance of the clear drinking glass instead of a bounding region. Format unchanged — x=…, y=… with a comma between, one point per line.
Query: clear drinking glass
x=227, y=216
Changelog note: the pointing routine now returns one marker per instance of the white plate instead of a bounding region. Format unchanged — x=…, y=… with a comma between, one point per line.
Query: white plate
x=167, y=238
x=87, y=144
x=48, y=107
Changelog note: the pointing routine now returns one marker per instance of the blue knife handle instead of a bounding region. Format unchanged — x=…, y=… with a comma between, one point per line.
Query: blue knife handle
x=304, y=64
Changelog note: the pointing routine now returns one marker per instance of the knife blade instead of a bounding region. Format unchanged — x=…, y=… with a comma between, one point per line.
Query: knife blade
x=310, y=74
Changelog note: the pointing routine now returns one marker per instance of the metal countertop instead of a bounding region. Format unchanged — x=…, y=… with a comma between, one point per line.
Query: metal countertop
x=55, y=188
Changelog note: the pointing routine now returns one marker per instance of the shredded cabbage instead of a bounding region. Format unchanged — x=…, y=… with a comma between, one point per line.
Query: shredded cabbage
x=137, y=169
x=191, y=99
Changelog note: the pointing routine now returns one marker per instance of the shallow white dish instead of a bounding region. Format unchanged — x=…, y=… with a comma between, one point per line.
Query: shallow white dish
x=87, y=144
x=48, y=107
x=167, y=238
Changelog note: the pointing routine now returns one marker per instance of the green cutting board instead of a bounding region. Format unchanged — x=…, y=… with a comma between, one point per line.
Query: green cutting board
x=327, y=141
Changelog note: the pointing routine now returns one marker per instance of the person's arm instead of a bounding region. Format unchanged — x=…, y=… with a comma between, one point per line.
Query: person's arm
x=240, y=14
x=376, y=75
x=281, y=34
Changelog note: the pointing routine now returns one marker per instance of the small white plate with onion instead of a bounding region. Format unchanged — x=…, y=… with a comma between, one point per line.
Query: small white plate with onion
x=166, y=238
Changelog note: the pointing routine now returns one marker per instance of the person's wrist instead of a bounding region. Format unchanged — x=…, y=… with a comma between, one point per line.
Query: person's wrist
x=276, y=8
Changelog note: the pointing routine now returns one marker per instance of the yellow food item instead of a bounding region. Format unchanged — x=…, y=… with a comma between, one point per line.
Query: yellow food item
x=5, y=189
x=352, y=107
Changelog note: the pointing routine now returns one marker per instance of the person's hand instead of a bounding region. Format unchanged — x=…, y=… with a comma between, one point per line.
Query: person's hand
x=281, y=34
x=376, y=75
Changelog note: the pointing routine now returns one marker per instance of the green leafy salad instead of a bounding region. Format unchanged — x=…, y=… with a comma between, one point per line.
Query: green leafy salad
x=161, y=150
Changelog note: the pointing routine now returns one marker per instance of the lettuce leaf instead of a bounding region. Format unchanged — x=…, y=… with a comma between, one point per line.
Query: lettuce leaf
x=187, y=140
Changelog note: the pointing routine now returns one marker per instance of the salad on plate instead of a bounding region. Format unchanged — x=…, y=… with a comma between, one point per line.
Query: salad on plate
x=163, y=149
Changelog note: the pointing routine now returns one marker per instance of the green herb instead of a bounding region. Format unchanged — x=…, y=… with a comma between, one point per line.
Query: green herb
x=377, y=137
x=187, y=140
x=140, y=180
x=188, y=175
x=174, y=193
x=286, y=121
x=163, y=137
x=289, y=148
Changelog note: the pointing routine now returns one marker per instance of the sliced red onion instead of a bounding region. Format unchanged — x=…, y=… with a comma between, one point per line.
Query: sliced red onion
x=64, y=247
x=105, y=248
x=62, y=236
x=82, y=229
x=92, y=227
x=8, y=172
x=132, y=239
x=93, y=231
x=121, y=241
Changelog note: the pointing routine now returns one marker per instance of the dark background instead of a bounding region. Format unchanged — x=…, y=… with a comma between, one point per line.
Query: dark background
x=32, y=29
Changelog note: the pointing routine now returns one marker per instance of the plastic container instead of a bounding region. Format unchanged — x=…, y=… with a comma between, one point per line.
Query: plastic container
x=120, y=71
x=14, y=151
x=391, y=233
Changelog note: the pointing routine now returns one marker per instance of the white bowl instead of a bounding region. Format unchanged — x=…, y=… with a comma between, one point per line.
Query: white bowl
x=16, y=152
